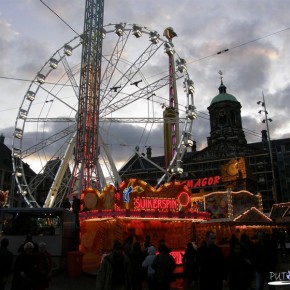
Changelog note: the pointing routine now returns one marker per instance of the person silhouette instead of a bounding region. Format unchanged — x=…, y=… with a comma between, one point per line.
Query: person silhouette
x=211, y=266
x=28, y=239
x=24, y=269
x=164, y=266
x=147, y=264
x=115, y=270
x=6, y=262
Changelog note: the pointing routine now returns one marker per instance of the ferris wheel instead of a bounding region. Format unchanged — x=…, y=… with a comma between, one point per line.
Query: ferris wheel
x=134, y=73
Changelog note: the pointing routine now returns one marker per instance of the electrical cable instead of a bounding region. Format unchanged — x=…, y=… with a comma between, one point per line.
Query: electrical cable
x=59, y=17
x=189, y=62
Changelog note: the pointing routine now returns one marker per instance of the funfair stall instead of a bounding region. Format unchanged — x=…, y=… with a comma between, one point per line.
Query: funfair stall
x=136, y=208
x=234, y=213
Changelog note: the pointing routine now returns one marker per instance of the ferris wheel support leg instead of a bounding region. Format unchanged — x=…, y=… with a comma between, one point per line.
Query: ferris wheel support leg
x=54, y=190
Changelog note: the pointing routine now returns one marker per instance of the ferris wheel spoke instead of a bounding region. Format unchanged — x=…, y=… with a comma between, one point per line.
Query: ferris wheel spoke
x=70, y=76
x=49, y=141
x=112, y=63
x=141, y=93
x=51, y=120
x=129, y=74
x=60, y=100
x=136, y=120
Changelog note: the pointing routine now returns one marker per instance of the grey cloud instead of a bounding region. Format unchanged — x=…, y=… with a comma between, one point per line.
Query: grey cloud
x=203, y=28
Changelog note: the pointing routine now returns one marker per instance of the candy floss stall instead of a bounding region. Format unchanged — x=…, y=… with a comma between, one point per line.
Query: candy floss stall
x=135, y=208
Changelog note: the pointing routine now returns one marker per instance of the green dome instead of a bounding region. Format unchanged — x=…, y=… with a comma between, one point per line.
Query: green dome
x=223, y=95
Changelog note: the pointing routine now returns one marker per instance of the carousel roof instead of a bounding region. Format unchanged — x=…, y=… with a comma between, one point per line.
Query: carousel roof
x=280, y=210
x=252, y=215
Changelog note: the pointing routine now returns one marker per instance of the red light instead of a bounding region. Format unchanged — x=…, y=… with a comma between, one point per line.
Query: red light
x=183, y=199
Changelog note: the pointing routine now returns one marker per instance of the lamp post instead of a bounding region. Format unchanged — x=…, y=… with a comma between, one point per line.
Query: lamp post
x=267, y=120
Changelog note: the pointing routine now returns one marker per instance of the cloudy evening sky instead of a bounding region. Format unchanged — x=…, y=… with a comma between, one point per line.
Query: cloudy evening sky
x=255, y=32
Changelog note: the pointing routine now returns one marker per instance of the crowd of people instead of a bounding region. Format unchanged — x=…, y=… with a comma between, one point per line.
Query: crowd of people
x=133, y=265
x=30, y=270
x=247, y=266
x=136, y=266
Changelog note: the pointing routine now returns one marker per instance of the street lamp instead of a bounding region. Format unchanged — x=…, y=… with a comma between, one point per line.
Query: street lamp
x=267, y=120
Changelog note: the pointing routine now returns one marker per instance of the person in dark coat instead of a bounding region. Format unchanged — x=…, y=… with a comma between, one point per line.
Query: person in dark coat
x=265, y=260
x=115, y=270
x=189, y=264
x=164, y=266
x=138, y=273
x=76, y=205
x=24, y=269
x=66, y=204
x=28, y=239
x=240, y=269
x=6, y=262
x=233, y=241
x=247, y=246
x=43, y=267
x=211, y=267
x=128, y=245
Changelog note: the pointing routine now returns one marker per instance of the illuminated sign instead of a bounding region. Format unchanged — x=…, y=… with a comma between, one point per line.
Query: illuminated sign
x=177, y=256
x=161, y=204
x=134, y=194
x=183, y=199
x=201, y=182
x=126, y=193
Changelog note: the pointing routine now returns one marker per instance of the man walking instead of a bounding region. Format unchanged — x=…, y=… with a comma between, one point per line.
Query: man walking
x=211, y=267
x=115, y=270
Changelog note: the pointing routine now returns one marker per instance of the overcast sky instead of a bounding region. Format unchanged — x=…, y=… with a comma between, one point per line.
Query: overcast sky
x=256, y=32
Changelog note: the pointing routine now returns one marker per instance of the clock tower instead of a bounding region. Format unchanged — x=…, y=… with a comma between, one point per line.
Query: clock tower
x=227, y=140
x=225, y=118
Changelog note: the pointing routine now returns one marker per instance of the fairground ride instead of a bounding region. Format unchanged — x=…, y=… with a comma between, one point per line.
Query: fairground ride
x=70, y=110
